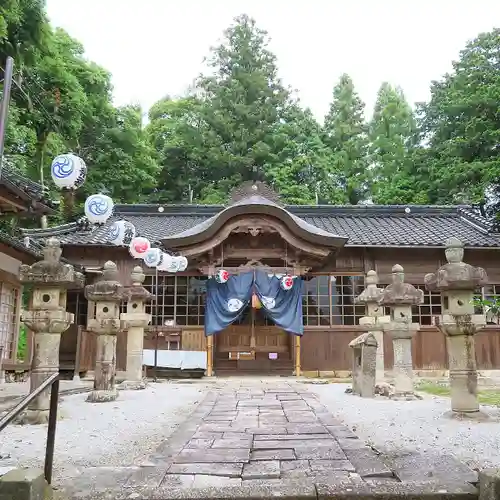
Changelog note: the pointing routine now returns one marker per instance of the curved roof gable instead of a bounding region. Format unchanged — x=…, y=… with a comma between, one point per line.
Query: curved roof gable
x=255, y=205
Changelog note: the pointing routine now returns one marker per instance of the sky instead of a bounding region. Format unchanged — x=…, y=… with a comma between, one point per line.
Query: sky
x=155, y=48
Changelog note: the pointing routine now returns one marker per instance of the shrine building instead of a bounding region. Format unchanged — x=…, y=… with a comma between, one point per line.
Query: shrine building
x=19, y=198
x=330, y=247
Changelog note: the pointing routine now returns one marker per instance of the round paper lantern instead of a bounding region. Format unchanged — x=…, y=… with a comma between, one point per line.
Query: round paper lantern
x=166, y=262
x=138, y=247
x=175, y=264
x=183, y=263
x=68, y=171
x=286, y=282
x=98, y=208
x=153, y=257
x=221, y=276
x=121, y=232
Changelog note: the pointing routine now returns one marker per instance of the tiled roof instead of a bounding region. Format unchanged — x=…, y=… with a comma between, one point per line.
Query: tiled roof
x=254, y=204
x=25, y=188
x=370, y=225
x=34, y=249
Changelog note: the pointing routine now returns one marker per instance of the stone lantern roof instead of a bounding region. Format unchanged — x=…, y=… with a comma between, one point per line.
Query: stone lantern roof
x=399, y=293
x=456, y=274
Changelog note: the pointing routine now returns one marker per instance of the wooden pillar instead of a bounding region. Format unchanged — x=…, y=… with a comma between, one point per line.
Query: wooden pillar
x=76, y=373
x=210, y=355
x=297, y=356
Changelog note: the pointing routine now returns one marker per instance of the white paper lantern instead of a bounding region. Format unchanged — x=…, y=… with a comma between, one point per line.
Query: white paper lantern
x=174, y=265
x=98, y=208
x=122, y=232
x=166, y=262
x=68, y=171
x=138, y=247
x=153, y=257
x=183, y=263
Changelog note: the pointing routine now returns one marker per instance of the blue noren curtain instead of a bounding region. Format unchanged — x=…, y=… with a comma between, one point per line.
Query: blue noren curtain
x=284, y=307
x=225, y=302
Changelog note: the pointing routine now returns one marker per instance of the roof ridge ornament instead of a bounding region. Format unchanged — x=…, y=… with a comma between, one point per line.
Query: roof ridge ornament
x=254, y=188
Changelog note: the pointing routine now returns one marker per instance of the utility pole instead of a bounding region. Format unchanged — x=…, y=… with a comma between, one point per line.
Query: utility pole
x=4, y=105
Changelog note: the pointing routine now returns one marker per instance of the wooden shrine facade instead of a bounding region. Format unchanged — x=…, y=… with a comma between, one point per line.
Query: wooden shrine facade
x=331, y=248
x=19, y=197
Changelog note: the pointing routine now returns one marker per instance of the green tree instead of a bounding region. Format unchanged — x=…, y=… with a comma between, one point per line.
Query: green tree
x=63, y=104
x=244, y=102
x=344, y=132
x=124, y=163
x=23, y=28
x=301, y=167
x=461, y=123
x=54, y=99
x=177, y=133
x=393, y=136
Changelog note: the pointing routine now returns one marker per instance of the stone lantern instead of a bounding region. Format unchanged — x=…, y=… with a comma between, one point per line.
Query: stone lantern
x=400, y=297
x=457, y=282
x=374, y=319
x=48, y=319
x=107, y=294
x=135, y=320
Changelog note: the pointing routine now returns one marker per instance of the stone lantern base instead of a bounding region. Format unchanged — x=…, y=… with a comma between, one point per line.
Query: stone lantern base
x=474, y=416
x=33, y=417
x=132, y=385
x=99, y=396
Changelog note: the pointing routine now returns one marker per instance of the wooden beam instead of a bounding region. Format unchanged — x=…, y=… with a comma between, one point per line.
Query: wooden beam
x=11, y=203
x=295, y=270
x=313, y=249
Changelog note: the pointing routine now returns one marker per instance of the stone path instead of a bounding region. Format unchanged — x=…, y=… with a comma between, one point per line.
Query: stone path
x=271, y=438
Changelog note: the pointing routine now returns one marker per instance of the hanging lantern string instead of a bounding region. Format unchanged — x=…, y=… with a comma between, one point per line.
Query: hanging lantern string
x=286, y=257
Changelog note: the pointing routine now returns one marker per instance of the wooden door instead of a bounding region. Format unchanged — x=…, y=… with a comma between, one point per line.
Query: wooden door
x=253, y=346
x=271, y=339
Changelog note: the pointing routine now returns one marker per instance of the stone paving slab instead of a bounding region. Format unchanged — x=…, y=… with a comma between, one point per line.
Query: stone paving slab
x=233, y=447
x=410, y=466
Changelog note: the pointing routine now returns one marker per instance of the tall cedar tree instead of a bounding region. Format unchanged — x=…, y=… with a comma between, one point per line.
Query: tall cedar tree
x=243, y=104
x=344, y=132
x=392, y=143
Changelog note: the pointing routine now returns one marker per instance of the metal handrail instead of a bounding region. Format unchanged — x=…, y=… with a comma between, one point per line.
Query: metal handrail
x=53, y=381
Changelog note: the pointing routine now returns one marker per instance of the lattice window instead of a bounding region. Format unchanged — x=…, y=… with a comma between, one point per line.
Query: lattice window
x=9, y=308
x=177, y=300
x=490, y=292
x=425, y=313
x=78, y=305
x=329, y=300
x=431, y=307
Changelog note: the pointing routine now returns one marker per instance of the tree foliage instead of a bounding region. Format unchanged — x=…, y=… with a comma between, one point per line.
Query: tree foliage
x=240, y=122
x=461, y=123
x=345, y=134
x=61, y=102
x=392, y=141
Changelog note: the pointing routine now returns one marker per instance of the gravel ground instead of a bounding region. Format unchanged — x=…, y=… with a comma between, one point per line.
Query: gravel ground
x=120, y=433
x=415, y=425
